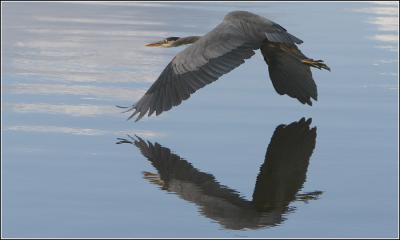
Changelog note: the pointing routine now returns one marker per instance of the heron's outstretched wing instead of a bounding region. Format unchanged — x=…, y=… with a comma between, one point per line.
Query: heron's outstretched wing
x=288, y=73
x=215, y=54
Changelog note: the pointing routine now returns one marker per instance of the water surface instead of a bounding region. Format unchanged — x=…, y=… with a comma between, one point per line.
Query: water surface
x=236, y=160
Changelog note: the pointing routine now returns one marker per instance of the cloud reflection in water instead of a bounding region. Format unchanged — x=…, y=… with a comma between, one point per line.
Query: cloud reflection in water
x=79, y=131
x=71, y=110
x=386, y=18
x=103, y=93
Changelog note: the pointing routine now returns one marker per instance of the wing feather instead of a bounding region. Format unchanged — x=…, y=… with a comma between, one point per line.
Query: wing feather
x=288, y=74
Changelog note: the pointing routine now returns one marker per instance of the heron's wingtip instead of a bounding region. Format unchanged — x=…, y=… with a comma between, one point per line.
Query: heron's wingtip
x=118, y=106
x=134, y=113
x=130, y=108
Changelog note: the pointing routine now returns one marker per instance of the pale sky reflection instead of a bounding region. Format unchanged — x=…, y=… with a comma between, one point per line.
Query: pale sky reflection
x=103, y=93
x=74, y=61
x=82, y=110
x=95, y=21
x=385, y=16
x=390, y=38
x=126, y=4
x=92, y=48
x=81, y=131
x=94, y=33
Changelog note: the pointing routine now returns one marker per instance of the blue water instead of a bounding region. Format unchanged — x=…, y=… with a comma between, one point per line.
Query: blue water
x=66, y=65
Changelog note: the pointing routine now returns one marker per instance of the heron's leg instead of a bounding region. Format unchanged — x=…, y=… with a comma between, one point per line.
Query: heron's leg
x=316, y=63
x=294, y=51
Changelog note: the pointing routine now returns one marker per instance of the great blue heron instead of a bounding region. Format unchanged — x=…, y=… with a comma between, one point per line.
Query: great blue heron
x=278, y=183
x=223, y=49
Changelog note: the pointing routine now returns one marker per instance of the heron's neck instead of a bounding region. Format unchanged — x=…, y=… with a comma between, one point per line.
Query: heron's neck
x=185, y=40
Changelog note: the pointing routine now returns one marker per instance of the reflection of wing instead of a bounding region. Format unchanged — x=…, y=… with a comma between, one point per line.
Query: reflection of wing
x=173, y=169
x=284, y=171
x=215, y=201
x=280, y=178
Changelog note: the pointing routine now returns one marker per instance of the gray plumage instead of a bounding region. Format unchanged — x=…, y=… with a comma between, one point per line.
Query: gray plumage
x=220, y=51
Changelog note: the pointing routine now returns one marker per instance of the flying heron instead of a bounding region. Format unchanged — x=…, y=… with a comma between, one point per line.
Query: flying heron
x=223, y=49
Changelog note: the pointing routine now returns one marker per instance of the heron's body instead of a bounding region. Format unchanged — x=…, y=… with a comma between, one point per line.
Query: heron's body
x=223, y=49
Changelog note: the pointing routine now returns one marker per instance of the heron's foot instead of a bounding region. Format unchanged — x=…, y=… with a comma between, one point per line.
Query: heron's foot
x=305, y=197
x=154, y=178
x=316, y=63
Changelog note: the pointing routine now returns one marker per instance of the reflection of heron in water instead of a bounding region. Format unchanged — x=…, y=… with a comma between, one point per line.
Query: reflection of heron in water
x=223, y=49
x=280, y=178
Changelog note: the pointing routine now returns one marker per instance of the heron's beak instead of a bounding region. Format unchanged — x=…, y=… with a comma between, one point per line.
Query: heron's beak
x=156, y=44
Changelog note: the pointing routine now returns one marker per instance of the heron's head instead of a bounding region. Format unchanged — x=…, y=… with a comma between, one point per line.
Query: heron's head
x=166, y=43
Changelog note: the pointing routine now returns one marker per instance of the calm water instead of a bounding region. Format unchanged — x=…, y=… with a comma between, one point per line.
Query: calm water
x=236, y=160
